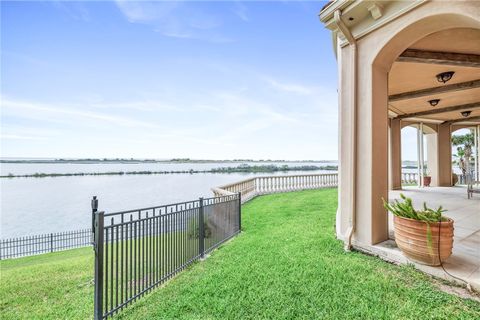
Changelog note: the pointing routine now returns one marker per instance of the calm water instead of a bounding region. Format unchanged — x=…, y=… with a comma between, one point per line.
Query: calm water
x=44, y=205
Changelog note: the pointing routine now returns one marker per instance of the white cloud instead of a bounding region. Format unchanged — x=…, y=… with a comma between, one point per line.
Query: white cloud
x=246, y=120
x=140, y=105
x=14, y=131
x=175, y=19
x=112, y=126
x=240, y=11
x=22, y=108
x=20, y=137
x=75, y=10
x=290, y=87
x=244, y=116
x=241, y=105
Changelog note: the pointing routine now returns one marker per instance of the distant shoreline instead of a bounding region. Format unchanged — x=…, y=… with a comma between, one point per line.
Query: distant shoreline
x=238, y=169
x=133, y=161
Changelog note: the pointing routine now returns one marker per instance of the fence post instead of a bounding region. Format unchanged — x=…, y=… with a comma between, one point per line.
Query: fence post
x=98, y=247
x=94, y=210
x=201, y=230
x=239, y=212
x=51, y=242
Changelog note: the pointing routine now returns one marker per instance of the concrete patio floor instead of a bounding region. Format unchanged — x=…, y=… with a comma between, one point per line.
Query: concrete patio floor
x=464, y=262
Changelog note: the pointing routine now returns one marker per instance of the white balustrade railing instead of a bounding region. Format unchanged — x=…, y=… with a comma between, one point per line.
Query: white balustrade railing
x=253, y=187
x=409, y=178
x=256, y=186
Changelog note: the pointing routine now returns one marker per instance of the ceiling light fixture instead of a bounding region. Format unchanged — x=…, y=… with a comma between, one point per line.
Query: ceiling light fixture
x=434, y=102
x=466, y=113
x=445, y=76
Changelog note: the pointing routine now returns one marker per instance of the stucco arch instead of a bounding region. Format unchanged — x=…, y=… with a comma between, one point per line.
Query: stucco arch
x=462, y=126
x=435, y=22
x=428, y=128
x=377, y=53
x=363, y=112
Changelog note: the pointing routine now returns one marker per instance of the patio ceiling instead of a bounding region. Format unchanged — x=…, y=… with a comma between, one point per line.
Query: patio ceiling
x=413, y=82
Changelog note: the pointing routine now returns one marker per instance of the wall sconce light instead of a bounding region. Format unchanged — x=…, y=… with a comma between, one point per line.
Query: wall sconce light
x=445, y=76
x=434, y=102
x=466, y=113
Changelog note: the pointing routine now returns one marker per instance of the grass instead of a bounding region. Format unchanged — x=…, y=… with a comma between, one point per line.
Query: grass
x=286, y=264
x=50, y=286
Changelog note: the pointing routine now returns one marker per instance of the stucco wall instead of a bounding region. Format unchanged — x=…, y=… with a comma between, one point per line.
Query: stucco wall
x=376, y=53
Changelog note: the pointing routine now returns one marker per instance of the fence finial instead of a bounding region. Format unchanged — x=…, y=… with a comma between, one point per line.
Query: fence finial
x=94, y=203
x=94, y=210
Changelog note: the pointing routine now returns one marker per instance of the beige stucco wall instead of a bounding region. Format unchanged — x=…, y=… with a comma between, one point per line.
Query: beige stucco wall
x=376, y=53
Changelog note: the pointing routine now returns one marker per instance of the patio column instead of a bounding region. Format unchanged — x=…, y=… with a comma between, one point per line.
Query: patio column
x=432, y=157
x=420, y=155
x=363, y=158
x=444, y=155
x=395, y=154
x=477, y=152
x=372, y=158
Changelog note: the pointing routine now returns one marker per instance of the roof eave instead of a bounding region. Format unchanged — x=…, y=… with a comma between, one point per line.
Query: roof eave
x=326, y=14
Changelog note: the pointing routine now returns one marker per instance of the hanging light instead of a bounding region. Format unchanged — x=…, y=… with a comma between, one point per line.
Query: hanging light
x=466, y=113
x=434, y=102
x=445, y=76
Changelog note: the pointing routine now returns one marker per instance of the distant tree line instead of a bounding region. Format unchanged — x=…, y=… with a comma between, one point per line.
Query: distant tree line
x=132, y=160
x=271, y=168
x=242, y=168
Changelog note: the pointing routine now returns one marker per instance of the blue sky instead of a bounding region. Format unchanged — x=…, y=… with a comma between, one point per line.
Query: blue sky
x=210, y=80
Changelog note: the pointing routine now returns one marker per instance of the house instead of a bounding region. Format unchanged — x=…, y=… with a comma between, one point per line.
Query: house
x=405, y=63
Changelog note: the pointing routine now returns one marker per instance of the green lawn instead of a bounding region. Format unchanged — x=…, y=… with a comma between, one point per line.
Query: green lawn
x=286, y=264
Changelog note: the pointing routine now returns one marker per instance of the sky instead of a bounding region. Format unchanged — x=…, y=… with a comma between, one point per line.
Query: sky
x=200, y=80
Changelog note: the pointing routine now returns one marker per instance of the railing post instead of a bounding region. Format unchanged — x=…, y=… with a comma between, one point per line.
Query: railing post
x=94, y=210
x=239, y=212
x=98, y=247
x=201, y=230
x=51, y=242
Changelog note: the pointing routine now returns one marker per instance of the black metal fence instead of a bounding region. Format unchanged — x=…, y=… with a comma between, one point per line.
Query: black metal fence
x=137, y=250
x=50, y=242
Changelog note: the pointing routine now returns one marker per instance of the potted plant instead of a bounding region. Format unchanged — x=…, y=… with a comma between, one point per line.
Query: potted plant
x=454, y=179
x=427, y=179
x=424, y=236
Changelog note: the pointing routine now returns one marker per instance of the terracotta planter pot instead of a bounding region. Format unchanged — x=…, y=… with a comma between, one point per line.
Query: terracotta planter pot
x=426, y=181
x=454, y=179
x=411, y=238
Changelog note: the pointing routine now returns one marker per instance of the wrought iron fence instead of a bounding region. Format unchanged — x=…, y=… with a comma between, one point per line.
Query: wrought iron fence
x=137, y=250
x=43, y=243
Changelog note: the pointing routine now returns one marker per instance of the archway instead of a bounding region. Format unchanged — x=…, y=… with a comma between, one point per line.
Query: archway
x=465, y=154
x=389, y=65
x=382, y=70
x=419, y=143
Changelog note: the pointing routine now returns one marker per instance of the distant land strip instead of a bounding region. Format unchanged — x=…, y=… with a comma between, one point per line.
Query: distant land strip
x=132, y=160
x=242, y=168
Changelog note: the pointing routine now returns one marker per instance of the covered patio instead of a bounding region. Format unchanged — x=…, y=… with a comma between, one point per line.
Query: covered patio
x=406, y=63
x=420, y=98
x=438, y=99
